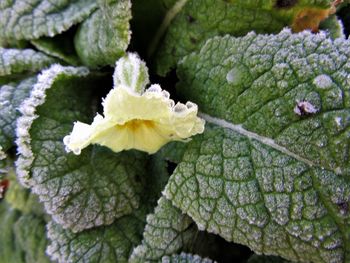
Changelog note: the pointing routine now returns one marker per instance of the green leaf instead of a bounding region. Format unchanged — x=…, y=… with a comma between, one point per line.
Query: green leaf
x=11, y=97
x=131, y=72
x=333, y=27
x=104, y=36
x=22, y=237
x=189, y=23
x=166, y=232
x=106, y=244
x=83, y=191
x=10, y=251
x=16, y=80
x=30, y=235
x=156, y=180
x=21, y=198
x=143, y=25
x=35, y=18
x=173, y=151
x=263, y=83
x=248, y=193
x=262, y=175
x=60, y=46
x=185, y=258
x=21, y=61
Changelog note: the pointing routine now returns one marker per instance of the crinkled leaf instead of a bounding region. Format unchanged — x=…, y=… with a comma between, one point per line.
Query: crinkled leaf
x=265, y=174
x=185, y=258
x=16, y=79
x=83, y=191
x=11, y=96
x=32, y=19
x=107, y=244
x=60, y=46
x=189, y=23
x=178, y=232
x=21, y=61
x=105, y=35
x=22, y=237
x=166, y=232
x=249, y=193
x=290, y=88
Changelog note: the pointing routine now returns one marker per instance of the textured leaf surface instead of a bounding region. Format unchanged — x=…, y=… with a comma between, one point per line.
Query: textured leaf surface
x=263, y=175
x=194, y=21
x=257, y=81
x=249, y=193
x=83, y=191
x=166, y=232
x=106, y=244
x=60, y=46
x=35, y=18
x=105, y=35
x=185, y=258
x=22, y=237
x=11, y=96
x=20, y=61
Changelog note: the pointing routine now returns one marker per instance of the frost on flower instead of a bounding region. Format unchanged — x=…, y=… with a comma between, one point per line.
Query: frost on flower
x=135, y=118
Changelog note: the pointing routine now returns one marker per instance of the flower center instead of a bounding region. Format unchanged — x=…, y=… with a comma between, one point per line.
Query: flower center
x=136, y=124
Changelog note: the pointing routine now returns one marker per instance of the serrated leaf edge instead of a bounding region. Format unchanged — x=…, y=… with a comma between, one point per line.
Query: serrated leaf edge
x=52, y=28
x=27, y=109
x=32, y=61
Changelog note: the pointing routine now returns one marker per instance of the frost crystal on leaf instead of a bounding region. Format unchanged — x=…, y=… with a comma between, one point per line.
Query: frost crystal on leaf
x=134, y=118
x=323, y=81
x=304, y=108
x=27, y=108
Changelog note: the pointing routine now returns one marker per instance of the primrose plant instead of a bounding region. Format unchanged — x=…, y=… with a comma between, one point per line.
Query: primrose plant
x=97, y=165
x=136, y=118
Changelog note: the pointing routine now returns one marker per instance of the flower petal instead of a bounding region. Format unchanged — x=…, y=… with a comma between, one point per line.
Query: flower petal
x=123, y=105
x=137, y=120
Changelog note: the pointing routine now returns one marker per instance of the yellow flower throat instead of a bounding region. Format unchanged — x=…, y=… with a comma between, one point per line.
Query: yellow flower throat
x=136, y=124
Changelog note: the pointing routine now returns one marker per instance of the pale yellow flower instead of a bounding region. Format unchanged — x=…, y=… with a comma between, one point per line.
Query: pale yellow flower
x=142, y=120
